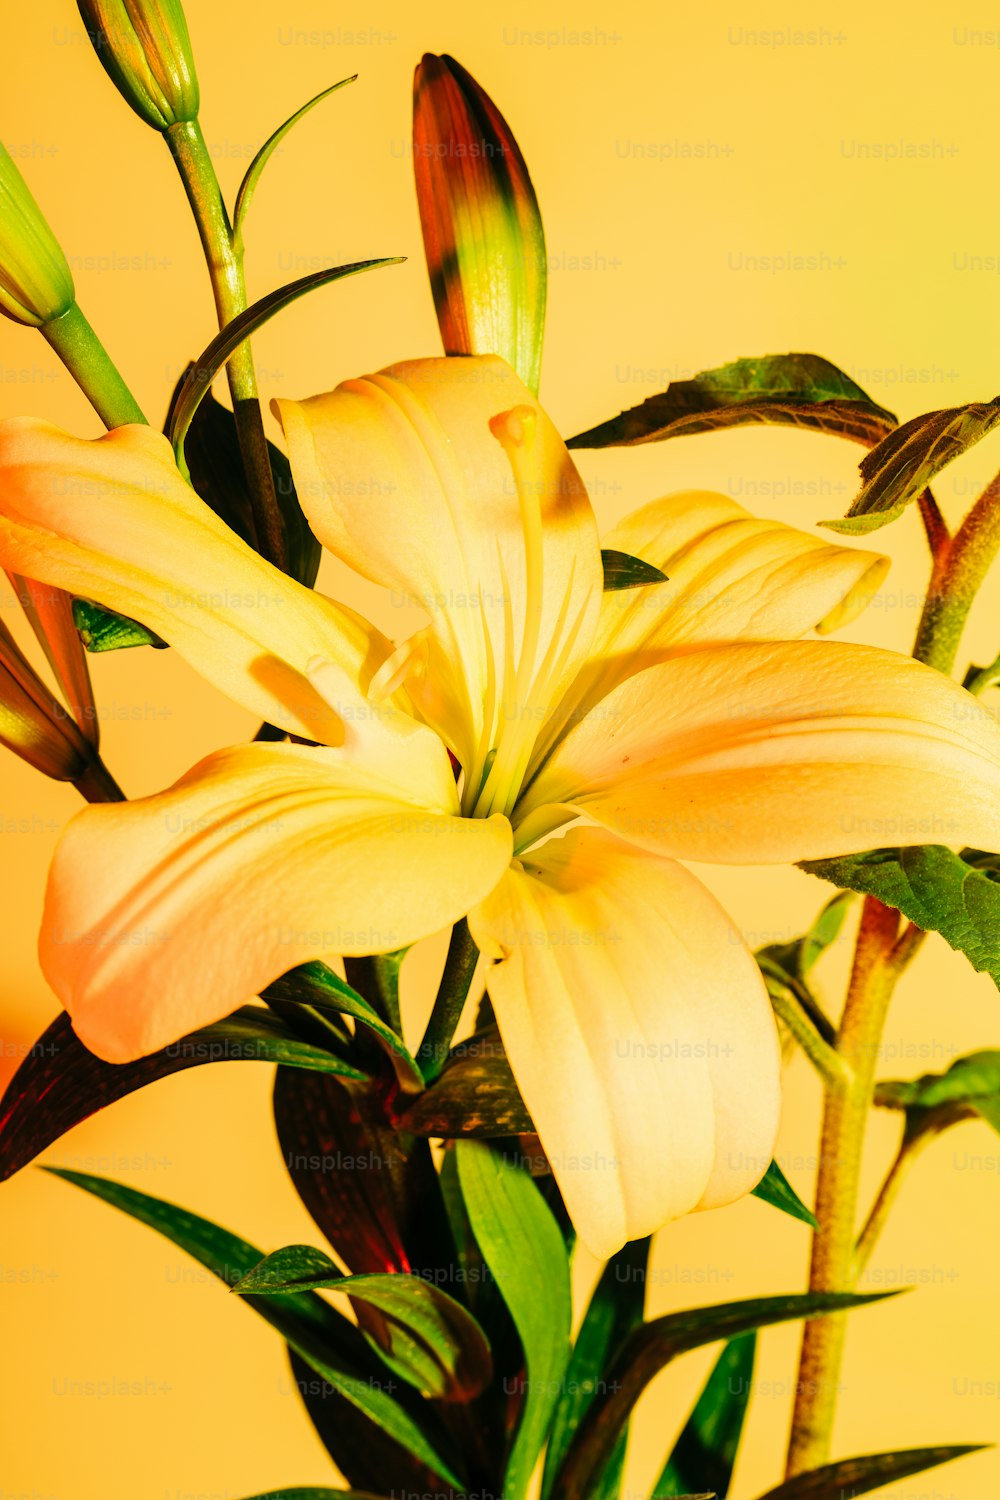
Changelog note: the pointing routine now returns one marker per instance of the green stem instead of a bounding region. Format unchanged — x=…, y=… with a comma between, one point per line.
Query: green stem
x=225, y=265
x=90, y=365
x=459, y=967
x=873, y=978
x=959, y=568
x=825, y=1059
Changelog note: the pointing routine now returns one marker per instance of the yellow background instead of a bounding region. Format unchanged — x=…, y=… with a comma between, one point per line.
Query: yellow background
x=650, y=243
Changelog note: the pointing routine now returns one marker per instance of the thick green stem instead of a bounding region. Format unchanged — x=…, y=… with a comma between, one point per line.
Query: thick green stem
x=90, y=365
x=959, y=568
x=848, y=1102
x=225, y=265
x=460, y=965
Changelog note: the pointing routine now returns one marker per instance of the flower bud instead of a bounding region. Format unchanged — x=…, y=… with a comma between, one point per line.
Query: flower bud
x=483, y=235
x=33, y=723
x=144, y=47
x=36, y=284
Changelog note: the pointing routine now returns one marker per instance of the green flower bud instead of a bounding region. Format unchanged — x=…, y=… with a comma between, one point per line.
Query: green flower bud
x=144, y=47
x=36, y=284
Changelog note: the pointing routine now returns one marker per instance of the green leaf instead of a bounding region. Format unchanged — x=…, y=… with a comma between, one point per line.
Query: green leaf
x=421, y=1333
x=215, y=464
x=935, y=889
x=253, y=173
x=857, y=1476
x=904, y=463
x=800, y=390
x=705, y=1452
x=318, y=987
x=801, y=954
x=331, y=1345
x=969, y=1088
x=475, y=1095
x=615, y=1309
x=102, y=630
x=653, y=1346
x=228, y=340
x=524, y=1248
x=774, y=1188
x=298, y=1493
x=61, y=1083
x=622, y=571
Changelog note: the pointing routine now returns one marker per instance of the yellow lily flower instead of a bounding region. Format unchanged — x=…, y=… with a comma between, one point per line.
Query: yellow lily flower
x=601, y=739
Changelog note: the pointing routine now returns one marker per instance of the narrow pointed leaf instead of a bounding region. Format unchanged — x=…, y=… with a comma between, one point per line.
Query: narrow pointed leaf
x=524, y=1248
x=229, y=339
x=653, y=1346
x=370, y=1188
x=362, y=1451
x=614, y=1310
x=774, y=1188
x=474, y=1096
x=901, y=467
x=622, y=571
x=858, y=1476
x=61, y=1083
x=318, y=986
x=253, y=173
x=956, y=895
x=482, y=229
x=705, y=1452
x=421, y=1333
x=797, y=390
x=330, y=1344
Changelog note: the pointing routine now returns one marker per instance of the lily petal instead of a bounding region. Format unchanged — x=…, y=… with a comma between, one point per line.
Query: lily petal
x=401, y=476
x=730, y=577
x=639, y=1032
x=769, y=753
x=166, y=913
x=112, y=520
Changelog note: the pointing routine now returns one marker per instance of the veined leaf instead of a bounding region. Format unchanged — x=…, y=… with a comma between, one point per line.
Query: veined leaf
x=329, y=1343
x=935, y=889
x=475, y=1095
x=654, y=1346
x=371, y=1189
x=774, y=1188
x=622, y=571
x=201, y=374
x=615, y=1309
x=799, y=390
x=421, y=1333
x=61, y=1083
x=969, y=1088
x=317, y=986
x=254, y=171
x=857, y=1476
x=524, y=1248
x=705, y=1452
x=901, y=467
x=101, y=629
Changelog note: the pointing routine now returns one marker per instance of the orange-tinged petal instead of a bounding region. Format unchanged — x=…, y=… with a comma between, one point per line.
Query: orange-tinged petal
x=401, y=476
x=768, y=753
x=112, y=520
x=50, y=612
x=730, y=577
x=166, y=913
x=482, y=229
x=638, y=1029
